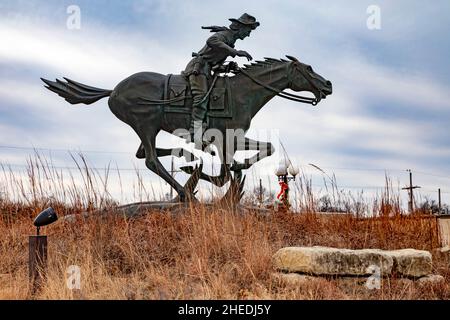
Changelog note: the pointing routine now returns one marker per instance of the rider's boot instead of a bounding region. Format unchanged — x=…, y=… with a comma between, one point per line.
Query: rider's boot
x=196, y=134
x=197, y=127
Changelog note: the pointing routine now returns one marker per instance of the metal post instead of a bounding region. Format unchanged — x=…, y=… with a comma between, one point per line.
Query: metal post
x=439, y=200
x=285, y=179
x=410, y=190
x=431, y=233
x=37, y=262
x=411, y=197
x=286, y=201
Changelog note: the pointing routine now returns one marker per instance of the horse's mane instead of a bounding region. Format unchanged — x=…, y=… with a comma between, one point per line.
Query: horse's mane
x=267, y=62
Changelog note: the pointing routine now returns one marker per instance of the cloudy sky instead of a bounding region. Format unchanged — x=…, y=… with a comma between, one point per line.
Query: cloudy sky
x=390, y=109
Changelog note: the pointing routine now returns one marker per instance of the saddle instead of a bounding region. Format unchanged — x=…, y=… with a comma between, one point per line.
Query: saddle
x=178, y=91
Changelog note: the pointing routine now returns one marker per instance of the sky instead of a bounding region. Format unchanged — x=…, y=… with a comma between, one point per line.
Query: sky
x=389, y=111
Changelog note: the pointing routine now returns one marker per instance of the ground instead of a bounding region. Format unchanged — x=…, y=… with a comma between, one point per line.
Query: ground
x=204, y=253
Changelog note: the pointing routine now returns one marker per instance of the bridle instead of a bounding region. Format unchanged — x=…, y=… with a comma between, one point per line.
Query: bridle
x=280, y=93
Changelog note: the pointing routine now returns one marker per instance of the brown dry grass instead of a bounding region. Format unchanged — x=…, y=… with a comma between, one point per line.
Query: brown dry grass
x=204, y=253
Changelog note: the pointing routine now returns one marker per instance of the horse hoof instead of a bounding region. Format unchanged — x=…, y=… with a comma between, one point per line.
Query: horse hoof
x=140, y=153
x=181, y=196
x=185, y=197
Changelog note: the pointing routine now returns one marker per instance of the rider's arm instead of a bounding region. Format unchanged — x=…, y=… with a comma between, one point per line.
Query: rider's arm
x=217, y=41
x=231, y=66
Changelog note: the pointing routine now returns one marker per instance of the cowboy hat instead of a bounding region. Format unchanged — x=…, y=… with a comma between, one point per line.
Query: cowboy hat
x=246, y=19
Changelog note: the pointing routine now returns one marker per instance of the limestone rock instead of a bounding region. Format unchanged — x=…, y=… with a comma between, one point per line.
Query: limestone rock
x=445, y=249
x=431, y=280
x=332, y=261
x=411, y=262
x=293, y=278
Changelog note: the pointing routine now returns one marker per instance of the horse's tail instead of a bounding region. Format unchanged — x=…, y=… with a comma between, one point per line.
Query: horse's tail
x=75, y=92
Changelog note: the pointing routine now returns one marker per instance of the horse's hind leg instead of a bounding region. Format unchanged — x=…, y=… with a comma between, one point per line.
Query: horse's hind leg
x=148, y=138
x=160, y=152
x=224, y=175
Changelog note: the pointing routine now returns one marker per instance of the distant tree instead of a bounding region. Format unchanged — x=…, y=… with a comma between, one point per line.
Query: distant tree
x=325, y=204
x=430, y=206
x=254, y=197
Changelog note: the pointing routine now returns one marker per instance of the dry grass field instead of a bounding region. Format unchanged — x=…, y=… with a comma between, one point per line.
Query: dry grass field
x=206, y=252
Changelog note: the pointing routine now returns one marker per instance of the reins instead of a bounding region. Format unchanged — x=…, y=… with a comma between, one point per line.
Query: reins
x=280, y=93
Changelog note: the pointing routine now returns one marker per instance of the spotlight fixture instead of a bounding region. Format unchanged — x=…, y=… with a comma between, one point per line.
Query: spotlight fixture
x=46, y=217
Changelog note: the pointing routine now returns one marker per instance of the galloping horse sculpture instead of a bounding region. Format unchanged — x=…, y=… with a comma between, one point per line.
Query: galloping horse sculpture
x=142, y=101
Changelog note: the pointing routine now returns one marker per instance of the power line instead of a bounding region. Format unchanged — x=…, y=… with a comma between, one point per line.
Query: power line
x=354, y=187
x=431, y=174
x=73, y=168
x=363, y=169
x=125, y=152
x=112, y=169
x=145, y=169
x=59, y=150
x=386, y=169
x=25, y=166
x=433, y=190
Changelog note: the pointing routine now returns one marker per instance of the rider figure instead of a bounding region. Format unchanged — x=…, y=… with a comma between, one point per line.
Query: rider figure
x=210, y=58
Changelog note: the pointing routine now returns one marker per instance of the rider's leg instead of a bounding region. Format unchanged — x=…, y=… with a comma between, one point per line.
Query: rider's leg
x=199, y=88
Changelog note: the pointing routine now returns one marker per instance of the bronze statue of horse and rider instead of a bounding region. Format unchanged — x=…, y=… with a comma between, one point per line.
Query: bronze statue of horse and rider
x=208, y=96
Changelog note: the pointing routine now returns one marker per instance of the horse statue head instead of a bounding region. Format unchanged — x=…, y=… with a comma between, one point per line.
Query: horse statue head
x=303, y=78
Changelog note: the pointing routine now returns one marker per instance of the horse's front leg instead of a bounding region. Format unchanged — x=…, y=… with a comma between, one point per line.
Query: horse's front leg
x=219, y=181
x=264, y=149
x=224, y=175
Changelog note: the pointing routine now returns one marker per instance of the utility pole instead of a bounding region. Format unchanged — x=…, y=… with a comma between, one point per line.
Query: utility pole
x=172, y=173
x=439, y=200
x=410, y=190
